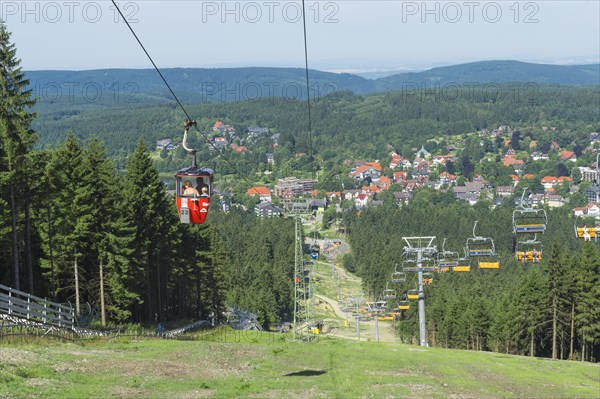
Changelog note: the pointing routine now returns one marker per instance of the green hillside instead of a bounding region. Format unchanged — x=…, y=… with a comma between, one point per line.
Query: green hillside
x=250, y=364
x=494, y=72
x=127, y=87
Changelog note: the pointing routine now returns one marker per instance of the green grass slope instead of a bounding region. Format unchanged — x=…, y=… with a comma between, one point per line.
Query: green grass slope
x=235, y=364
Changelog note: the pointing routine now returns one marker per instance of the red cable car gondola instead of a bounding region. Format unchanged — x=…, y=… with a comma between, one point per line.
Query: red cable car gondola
x=193, y=187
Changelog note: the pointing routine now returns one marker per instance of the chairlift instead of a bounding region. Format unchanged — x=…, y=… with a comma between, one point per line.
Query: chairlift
x=446, y=259
x=412, y=295
x=389, y=293
x=529, y=251
x=529, y=220
x=427, y=279
x=315, y=251
x=463, y=264
x=404, y=305
x=585, y=230
x=480, y=246
x=398, y=276
x=483, y=250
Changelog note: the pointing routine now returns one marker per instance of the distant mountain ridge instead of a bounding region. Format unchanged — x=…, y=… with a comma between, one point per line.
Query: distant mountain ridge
x=194, y=85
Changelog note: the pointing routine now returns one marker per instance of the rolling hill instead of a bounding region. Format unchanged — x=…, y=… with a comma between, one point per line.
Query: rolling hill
x=118, y=87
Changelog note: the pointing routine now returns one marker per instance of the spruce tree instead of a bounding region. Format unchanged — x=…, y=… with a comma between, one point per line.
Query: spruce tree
x=587, y=317
x=150, y=211
x=16, y=137
x=63, y=230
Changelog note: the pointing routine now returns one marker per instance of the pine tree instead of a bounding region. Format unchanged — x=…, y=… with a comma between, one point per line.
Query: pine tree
x=62, y=229
x=214, y=265
x=107, y=236
x=16, y=137
x=587, y=295
x=115, y=264
x=532, y=307
x=150, y=211
x=557, y=269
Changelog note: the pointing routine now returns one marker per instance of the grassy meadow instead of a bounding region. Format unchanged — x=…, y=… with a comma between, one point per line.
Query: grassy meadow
x=227, y=363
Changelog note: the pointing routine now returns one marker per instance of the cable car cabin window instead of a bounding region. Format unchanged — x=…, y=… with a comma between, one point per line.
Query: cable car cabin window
x=193, y=187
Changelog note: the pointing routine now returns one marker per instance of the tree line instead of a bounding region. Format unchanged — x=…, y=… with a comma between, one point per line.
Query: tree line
x=76, y=227
x=539, y=309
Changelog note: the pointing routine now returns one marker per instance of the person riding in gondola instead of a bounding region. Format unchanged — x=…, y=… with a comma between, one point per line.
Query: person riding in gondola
x=200, y=184
x=189, y=190
x=204, y=192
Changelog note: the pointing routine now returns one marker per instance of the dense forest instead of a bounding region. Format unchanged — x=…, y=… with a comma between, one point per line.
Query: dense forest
x=86, y=234
x=345, y=126
x=74, y=227
x=549, y=308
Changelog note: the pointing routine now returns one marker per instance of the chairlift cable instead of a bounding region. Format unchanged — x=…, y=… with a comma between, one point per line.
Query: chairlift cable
x=310, y=139
x=219, y=152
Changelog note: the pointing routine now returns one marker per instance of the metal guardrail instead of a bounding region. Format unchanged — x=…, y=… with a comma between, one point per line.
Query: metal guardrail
x=25, y=314
x=20, y=304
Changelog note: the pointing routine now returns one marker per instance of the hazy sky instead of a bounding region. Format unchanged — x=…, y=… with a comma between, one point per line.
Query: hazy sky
x=343, y=35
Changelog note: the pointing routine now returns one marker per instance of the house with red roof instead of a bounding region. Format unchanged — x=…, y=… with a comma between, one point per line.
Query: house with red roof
x=384, y=182
x=262, y=192
x=396, y=161
x=567, y=179
x=566, y=155
x=591, y=209
x=365, y=170
x=400, y=176
x=515, y=179
x=447, y=178
x=549, y=182
x=517, y=164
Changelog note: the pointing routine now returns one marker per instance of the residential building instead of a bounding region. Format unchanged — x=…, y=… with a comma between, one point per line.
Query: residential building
x=566, y=155
x=367, y=169
x=505, y=191
x=267, y=210
x=165, y=144
x=262, y=192
x=293, y=186
x=588, y=174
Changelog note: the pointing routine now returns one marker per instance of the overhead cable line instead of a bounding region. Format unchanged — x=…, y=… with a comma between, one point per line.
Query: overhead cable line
x=219, y=152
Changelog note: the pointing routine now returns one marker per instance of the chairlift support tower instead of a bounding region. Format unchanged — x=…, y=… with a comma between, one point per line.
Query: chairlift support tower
x=422, y=248
x=302, y=290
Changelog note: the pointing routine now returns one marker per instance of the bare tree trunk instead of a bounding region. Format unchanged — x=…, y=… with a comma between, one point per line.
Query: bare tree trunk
x=102, y=308
x=583, y=348
x=160, y=315
x=15, y=238
x=554, y=326
x=28, y=255
x=572, y=330
x=532, y=345
x=53, y=284
x=76, y=274
x=150, y=307
x=562, y=344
